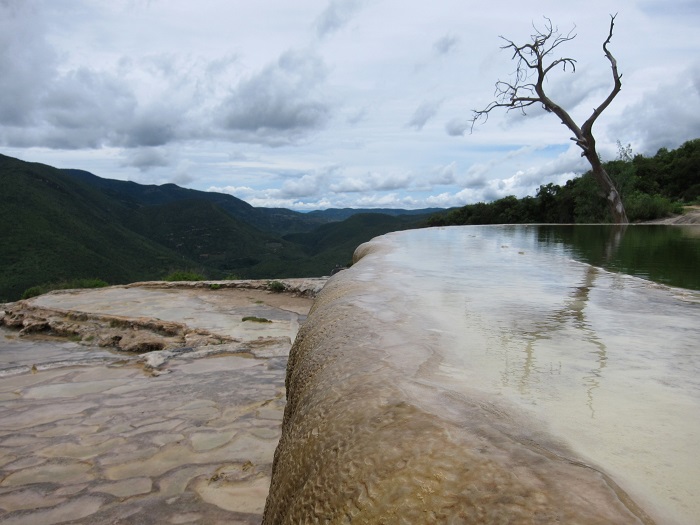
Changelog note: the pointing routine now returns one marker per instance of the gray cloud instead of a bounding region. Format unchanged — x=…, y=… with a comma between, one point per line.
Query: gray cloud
x=336, y=15
x=570, y=89
x=278, y=104
x=424, y=113
x=153, y=126
x=457, y=127
x=670, y=9
x=357, y=116
x=27, y=62
x=145, y=158
x=372, y=182
x=445, y=45
x=80, y=108
x=663, y=118
x=86, y=109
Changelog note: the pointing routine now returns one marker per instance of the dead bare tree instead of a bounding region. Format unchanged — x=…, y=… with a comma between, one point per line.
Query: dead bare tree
x=527, y=89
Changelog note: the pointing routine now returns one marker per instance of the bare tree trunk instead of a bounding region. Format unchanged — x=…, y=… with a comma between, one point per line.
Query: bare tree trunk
x=617, y=209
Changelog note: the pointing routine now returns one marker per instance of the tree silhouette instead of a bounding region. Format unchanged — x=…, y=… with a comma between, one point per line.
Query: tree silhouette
x=526, y=88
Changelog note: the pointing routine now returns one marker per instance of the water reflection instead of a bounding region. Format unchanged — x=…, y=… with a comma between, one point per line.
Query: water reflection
x=609, y=362
x=661, y=253
x=572, y=313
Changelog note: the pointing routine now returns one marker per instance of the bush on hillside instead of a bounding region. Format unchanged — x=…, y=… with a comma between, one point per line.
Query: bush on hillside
x=63, y=285
x=276, y=286
x=645, y=207
x=184, y=275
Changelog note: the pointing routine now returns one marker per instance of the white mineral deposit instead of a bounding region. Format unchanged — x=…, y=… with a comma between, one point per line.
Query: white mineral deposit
x=478, y=375
x=91, y=435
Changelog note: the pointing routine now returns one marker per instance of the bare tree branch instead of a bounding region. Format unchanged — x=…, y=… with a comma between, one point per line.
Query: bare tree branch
x=617, y=79
x=533, y=64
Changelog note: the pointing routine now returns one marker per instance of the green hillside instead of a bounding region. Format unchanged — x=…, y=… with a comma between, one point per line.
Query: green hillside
x=56, y=229
x=61, y=225
x=333, y=244
x=135, y=196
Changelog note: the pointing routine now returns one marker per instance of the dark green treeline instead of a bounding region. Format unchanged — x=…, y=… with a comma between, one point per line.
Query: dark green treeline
x=651, y=188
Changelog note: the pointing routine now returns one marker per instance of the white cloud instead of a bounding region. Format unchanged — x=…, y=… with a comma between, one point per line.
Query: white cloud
x=308, y=185
x=336, y=15
x=146, y=158
x=424, y=113
x=444, y=174
x=236, y=191
x=303, y=104
x=457, y=127
x=665, y=117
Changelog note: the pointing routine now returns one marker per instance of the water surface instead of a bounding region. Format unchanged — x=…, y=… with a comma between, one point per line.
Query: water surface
x=662, y=253
x=607, y=362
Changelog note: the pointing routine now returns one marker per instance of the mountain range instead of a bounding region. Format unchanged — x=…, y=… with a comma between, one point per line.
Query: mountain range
x=63, y=224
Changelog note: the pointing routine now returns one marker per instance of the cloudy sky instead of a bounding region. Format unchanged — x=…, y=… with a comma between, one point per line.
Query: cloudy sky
x=310, y=104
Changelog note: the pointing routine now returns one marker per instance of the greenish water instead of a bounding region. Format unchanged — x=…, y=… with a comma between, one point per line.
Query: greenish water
x=661, y=253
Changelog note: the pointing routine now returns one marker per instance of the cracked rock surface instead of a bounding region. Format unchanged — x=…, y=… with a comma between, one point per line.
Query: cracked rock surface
x=92, y=434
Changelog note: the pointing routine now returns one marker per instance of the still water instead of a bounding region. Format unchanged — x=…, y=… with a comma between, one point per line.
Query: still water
x=661, y=253
x=606, y=362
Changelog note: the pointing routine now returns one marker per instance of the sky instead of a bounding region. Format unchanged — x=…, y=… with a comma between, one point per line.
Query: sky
x=314, y=104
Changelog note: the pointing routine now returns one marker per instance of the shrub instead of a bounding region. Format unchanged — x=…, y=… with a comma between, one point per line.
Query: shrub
x=276, y=286
x=645, y=207
x=63, y=285
x=184, y=275
x=34, y=291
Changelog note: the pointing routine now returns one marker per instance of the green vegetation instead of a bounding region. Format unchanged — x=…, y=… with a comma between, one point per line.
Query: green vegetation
x=276, y=286
x=184, y=275
x=254, y=319
x=651, y=188
x=63, y=226
x=64, y=285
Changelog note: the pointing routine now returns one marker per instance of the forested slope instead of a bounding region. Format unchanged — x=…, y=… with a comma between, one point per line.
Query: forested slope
x=651, y=188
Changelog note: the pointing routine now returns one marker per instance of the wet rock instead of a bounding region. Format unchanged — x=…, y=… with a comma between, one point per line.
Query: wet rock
x=365, y=441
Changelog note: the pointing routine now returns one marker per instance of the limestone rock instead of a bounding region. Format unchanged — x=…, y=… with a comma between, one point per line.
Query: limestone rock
x=363, y=442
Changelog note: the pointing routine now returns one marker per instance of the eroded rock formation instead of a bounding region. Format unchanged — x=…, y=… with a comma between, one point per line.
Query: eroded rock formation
x=370, y=437
x=87, y=437
x=130, y=334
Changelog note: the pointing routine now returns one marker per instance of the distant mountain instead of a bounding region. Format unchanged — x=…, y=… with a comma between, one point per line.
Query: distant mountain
x=63, y=224
x=135, y=195
x=334, y=243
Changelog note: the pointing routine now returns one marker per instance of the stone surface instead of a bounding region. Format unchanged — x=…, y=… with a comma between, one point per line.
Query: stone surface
x=93, y=436
x=369, y=437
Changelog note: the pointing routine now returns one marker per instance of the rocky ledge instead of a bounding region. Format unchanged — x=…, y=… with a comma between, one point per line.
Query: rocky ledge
x=74, y=314
x=372, y=433
x=87, y=437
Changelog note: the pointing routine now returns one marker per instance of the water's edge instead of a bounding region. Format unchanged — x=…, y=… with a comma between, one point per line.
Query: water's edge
x=374, y=428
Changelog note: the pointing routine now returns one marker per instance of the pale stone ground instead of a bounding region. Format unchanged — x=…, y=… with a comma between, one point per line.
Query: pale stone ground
x=91, y=436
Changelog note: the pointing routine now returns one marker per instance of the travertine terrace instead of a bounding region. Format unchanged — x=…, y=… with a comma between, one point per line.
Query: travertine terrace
x=182, y=435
